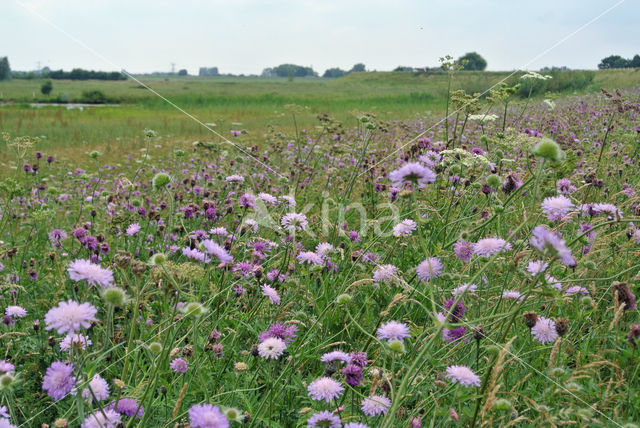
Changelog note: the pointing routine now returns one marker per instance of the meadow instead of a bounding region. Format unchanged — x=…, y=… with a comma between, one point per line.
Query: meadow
x=347, y=258
x=252, y=104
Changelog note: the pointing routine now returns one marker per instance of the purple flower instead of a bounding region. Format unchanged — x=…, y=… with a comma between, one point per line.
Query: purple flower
x=325, y=388
x=324, y=419
x=455, y=313
x=336, y=356
x=545, y=330
x=58, y=381
x=216, y=250
x=565, y=187
x=463, y=375
x=179, y=365
x=57, y=235
x=556, y=207
x=375, y=405
x=133, y=229
x=385, y=273
x=6, y=367
x=489, y=246
x=429, y=268
x=271, y=293
x=129, y=407
x=463, y=250
x=15, y=311
x=271, y=347
x=280, y=331
x=105, y=418
x=404, y=228
x=80, y=270
x=359, y=358
x=353, y=374
x=542, y=238
x=393, y=330
x=294, y=221
x=537, y=267
x=70, y=317
x=309, y=257
x=207, y=416
x=414, y=173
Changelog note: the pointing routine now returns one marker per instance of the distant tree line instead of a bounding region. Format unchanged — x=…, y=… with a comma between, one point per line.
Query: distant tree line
x=616, y=61
x=289, y=70
x=80, y=74
x=337, y=72
x=75, y=74
x=471, y=61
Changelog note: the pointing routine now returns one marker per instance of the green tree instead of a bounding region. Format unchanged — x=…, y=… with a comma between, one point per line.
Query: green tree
x=473, y=61
x=358, y=68
x=635, y=61
x=5, y=69
x=46, y=87
x=334, y=72
x=614, y=61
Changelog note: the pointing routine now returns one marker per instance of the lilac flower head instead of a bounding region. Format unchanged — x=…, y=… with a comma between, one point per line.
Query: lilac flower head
x=404, y=228
x=324, y=419
x=99, y=387
x=207, y=416
x=463, y=375
x=216, y=250
x=414, y=173
x=271, y=294
x=6, y=367
x=565, y=187
x=375, y=405
x=15, y=311
x=70, y=317
x=430, y=268
x=489, y=246
x=385, y=273
x=128, y=406
x=542, y=238
x=294, y=221
x=58, y=380
x=463, y=250
x=310, y=257
x=537, y=267
x=272, y=347
x=179, y=365
x=105, y=418
x=545, y=330
x=576, y=289
x=80, y=270
x=280, y=331
x=325, y=388
x=336, y=356
x=464, y=288
x=556, y=207
x=133, y=229
x=393, y=330
x=455, y=313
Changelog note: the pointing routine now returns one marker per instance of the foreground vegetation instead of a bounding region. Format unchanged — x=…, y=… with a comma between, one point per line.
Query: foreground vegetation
x=478, y=271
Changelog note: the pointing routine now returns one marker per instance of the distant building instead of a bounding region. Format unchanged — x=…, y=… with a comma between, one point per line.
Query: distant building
x=208, y=71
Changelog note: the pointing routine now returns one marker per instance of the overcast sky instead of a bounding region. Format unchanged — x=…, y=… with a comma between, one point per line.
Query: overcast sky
x=245, y=36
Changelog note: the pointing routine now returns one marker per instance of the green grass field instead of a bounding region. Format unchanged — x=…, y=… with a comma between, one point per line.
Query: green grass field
x=255, y=103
